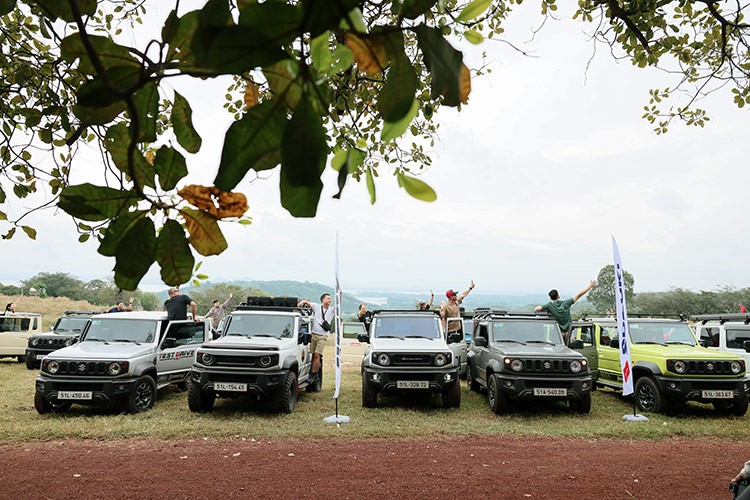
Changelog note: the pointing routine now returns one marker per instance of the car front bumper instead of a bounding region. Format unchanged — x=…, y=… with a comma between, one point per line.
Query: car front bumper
x=401, y=381
x=256, y=382
x=547, y=388
x=102, y=390
x=695, y=389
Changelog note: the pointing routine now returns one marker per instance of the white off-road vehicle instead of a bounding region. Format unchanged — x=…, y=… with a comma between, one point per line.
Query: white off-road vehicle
x=15, y=331
x=122, y=356
x=65, y=333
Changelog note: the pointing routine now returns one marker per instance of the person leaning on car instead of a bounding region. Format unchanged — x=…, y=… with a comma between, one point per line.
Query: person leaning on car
x=560, y=309
x=452, y=309
x=321, y=329
x=176, y=306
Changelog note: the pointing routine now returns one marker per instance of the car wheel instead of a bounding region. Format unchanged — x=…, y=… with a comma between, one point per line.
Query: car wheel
x=452, y=396
x=737, y=406
x=31, y=363
x=143, y=395
x=582, y=405
x=199, y=401
x=285, y=398
x=647, y=396
x=470, y=380
x=317, y=386
x=369, y=394
x=498, y=399
x=42, y=405
x=21, y=359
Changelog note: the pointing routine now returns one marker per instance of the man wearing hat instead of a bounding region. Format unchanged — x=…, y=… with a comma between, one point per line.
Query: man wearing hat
x=451, y=309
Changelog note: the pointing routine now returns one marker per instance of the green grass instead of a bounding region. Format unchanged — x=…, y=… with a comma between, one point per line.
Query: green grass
x=394, y=418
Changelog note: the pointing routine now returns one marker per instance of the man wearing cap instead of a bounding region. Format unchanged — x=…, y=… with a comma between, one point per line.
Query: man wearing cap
x=560, y=309
x=451, y=309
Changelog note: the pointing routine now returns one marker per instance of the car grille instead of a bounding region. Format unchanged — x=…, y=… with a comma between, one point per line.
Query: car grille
x=411, y=359
x=83, y=368
x=47, y=343
x=546, y=366
x=245, y=361
x=709, y=368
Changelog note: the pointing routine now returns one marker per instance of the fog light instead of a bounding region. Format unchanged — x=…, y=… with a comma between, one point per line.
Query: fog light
x=274, y=378
x=585, y=385
x=376, y=377
x=508, y=383
x=448, y=377
x=672, y=385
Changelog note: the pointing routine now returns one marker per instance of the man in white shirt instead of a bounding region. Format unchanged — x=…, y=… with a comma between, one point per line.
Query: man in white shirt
x=321, y=328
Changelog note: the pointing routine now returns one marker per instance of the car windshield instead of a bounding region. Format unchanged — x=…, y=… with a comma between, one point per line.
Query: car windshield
x=660, y=333
x=69, y=324
x=526, y=331
x=259, y=325
x=118, y=330
x=14, y=324
x=402, y=327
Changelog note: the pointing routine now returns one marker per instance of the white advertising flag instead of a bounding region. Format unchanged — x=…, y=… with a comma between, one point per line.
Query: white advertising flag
x=338, y=324
x=622, y=323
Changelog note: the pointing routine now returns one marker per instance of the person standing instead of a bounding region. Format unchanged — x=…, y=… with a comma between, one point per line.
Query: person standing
x=560, y=309
x=452, y=309
x=176, y=306
x=120, y=307
x=426, y=306
x=10, y=309
x=321, y=329
x=742, y=493
x=365, y=316
x=217, y=311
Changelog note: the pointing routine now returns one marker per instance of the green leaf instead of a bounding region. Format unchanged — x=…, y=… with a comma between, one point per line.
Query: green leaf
x=253, y=142
x=416, y=188
x=30, y=231
x=396, y=129
x=7, y=6
x=279, y=22
x=473, y=9
x=147, y=104
x=205, y=234
x=95, y=203
x=323, y=15
x=182, y=120
x=180, y=48
x=96, y=93
x=397, y=97
x=412, y=9
x=9, y=234
x=110, y=54
x=135, y=254
x=170, y=166
x=173, y=254
x=117, y=230
x=320, y=52
x=170, y=28
x=300, y=201
x=282, y=80
x=341, y=60
x=99, y=116
x=304, y=147
x=444, y=63
x=201, y=276
x=357, y=19
x=117, y=142
x=473, y=36
x=2, y=195
x=371, y=186
x=59, y=8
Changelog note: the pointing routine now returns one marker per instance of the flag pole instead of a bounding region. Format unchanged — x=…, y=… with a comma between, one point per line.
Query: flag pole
x=336, y=418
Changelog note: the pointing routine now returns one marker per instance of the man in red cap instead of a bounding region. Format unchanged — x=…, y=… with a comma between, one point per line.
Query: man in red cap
x=451, y=309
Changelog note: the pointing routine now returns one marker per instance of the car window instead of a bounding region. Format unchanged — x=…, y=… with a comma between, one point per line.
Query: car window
x=526, y=331
x=584, y=333
x=710, y=336
x=186, y=333
x=249, y=325
x=405, y=326
x=736, y=337
x=606, y=335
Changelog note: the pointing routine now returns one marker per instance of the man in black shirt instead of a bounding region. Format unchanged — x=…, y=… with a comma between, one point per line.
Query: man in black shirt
x=365, y=316
x=176, y=305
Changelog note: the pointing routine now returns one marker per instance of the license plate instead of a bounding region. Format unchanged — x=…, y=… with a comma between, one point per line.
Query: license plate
x=40, y=356
x=230, y=386
x=717, y=394
x=412, y=384
x=76, y=395
x=541, y=391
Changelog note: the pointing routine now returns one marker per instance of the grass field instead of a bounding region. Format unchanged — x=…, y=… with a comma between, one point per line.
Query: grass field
x=394, y=418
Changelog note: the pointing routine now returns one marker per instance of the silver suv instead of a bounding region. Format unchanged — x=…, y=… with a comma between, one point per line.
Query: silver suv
x=263, y=352
x=123, y=356
x=408, y=353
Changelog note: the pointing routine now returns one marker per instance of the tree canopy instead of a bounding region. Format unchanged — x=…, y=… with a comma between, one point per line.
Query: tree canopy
x=353, y=85
x=603, y=294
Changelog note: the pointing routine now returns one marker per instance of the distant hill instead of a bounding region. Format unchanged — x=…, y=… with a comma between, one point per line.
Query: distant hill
x=304, y=290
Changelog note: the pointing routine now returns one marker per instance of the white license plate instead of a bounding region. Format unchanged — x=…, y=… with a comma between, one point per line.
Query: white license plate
x=40, y=356
x=717, y=394
x=542, y=391
x=230, y=386
x=76, y=395
x=412, y=384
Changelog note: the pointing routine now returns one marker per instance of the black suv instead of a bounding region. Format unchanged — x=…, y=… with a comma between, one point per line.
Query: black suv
x=66, y=331
x=522, y=356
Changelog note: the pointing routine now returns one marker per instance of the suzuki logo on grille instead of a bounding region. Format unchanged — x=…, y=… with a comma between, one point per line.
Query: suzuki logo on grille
x=710, y=367
x=547, y=365
x=82, y=367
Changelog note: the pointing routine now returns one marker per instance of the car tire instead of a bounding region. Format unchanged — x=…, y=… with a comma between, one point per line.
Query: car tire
x=369, y=394
x=143, y=395
x=648, y=398
x=498, y=399
x=452, y=396
x=285, y=399
x=317, y=386
x=21, y=359
x=582, y=405
x=199, y=401
x=31, y=363
x=42, y=405
x=736, y=407
x=471, y=382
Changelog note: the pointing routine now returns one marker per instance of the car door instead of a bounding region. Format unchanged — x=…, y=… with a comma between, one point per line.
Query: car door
x=587, y=346
x=458, y=348
x=14, y=334
x=303, y=341
x=481, y=354
x=177, y=349
x=609, y=357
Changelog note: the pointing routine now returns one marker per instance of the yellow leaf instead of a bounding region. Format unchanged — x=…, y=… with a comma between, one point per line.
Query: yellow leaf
x=369, y=53
x=251, y=95
x=150, y=157
x=464, y=84
x=212, y=200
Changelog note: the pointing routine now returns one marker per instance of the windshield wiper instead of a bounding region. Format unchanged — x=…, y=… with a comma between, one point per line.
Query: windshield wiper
x=418, y=337
x=91, y=339
x=264, y=335
x=510, y=340
x=651, y=342
x=127, y=340
x=388, y=337
x=681, y=342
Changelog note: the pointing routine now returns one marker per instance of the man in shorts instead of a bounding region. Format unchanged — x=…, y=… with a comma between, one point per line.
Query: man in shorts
x=322, y=325
x=452, y=309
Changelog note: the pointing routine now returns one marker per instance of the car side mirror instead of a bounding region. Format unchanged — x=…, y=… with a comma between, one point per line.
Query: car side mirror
x=363, y=337
x=169, y=343
x=455, y=337
x=703, y=342
x=480, y=342
x=614, y=343
x=746, y=344
x=576, y=344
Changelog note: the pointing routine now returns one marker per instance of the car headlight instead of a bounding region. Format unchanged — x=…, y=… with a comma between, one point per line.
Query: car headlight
x=206, y=358
x=516, y=365
x=265, y=361
x=575, y=366
x=114, y=368
x=736, y=367
x=34, y=342
x=440, y=359
x=53, y=367
x=69, y=342
x=383, y=359
x=679, y=366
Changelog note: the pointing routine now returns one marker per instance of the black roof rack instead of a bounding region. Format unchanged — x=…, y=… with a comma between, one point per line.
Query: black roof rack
x=410, y=311
x=722, y=318
x=81, y=313
x=485, y=313
x=677, y=316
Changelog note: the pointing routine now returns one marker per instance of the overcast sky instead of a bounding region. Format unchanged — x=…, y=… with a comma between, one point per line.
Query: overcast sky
x=534, y=176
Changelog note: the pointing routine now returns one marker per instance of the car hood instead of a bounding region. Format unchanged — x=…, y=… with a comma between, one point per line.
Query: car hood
x=409, y=345
x=535, y=350
x=681, y=351
x=252, y=343
x=55, y=335
x=99, y=350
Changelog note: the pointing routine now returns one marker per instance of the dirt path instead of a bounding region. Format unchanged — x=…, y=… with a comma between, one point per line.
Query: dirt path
x=503, y=467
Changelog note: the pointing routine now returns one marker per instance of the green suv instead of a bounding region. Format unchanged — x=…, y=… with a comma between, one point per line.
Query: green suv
x=669, y=366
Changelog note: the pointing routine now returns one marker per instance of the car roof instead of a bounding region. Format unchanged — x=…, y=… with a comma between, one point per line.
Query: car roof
x=638, y=319
x=21, y=314
x=154, y=315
